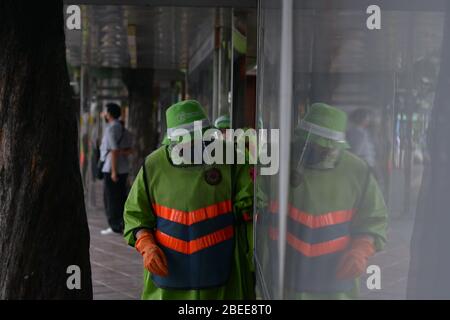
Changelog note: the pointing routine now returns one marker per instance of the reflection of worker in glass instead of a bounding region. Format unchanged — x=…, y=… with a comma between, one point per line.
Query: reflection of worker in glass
x=337, y=215
x=358, y=136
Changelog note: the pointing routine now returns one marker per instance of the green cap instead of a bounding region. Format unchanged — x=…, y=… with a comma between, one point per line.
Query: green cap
x=223, y=122
x=325, y=125
x=182, y=115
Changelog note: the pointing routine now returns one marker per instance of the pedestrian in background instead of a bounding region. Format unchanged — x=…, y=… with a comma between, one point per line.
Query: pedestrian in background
x=358, y=136
x=114, y=149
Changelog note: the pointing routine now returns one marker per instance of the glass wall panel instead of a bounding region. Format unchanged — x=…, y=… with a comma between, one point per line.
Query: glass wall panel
x=367, y=212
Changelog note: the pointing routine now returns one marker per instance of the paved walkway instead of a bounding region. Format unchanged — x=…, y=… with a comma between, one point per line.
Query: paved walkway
x=116, y=267
x=393, y=262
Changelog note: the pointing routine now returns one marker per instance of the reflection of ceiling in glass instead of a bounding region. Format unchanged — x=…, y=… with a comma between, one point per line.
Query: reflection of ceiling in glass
x=348, y=60
x=165, y=37
x=342, y=43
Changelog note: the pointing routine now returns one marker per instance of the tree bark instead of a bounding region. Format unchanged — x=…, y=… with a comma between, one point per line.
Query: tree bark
x=43, y=225
x=142, y=115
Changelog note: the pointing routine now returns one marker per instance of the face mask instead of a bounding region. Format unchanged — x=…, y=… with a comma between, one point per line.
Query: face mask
x=313, y=156
x=323, y=159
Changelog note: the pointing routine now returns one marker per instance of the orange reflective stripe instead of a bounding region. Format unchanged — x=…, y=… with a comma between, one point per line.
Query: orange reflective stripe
x=321, y=220
x=314, y=220
x=193, y=246
x=312, y=250
x=190, y=217
x=318, y=249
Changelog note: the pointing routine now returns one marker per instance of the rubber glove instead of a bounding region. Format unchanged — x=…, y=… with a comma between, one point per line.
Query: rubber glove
x=154, y=259
x=353, y=263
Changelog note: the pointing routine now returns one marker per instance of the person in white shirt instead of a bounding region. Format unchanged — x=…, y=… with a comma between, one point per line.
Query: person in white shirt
x=114, y=150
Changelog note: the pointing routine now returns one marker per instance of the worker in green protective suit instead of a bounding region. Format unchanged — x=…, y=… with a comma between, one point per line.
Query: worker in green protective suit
x=186, y=219
x=337, y=217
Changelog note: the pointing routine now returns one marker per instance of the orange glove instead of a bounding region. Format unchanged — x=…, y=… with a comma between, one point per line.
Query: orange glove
x=154, y=258
x=353, y=263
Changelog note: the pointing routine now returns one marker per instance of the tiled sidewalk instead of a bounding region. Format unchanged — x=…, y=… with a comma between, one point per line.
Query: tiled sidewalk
x=116, y=267
x=393, y=262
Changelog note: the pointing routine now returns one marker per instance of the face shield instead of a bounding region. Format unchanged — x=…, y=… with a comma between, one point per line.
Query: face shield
x=317, y=147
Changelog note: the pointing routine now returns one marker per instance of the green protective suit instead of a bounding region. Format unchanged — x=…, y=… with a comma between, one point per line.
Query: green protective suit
x=348, y=186
x=321, y=191
x=191, y=191
x=252, y=161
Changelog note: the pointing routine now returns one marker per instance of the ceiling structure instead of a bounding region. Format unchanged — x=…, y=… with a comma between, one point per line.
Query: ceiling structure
x=163, y=38
x=166, y=38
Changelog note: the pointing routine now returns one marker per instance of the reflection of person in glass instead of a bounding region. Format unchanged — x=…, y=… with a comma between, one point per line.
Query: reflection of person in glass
x=337, y=214
x=359, y=138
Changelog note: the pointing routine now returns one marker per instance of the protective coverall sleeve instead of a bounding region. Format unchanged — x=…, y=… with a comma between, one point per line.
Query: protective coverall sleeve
x=371, y=217
x=138, y=213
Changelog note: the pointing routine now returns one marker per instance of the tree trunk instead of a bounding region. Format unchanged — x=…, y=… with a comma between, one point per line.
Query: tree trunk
x=43, y=225
x=142, y=115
